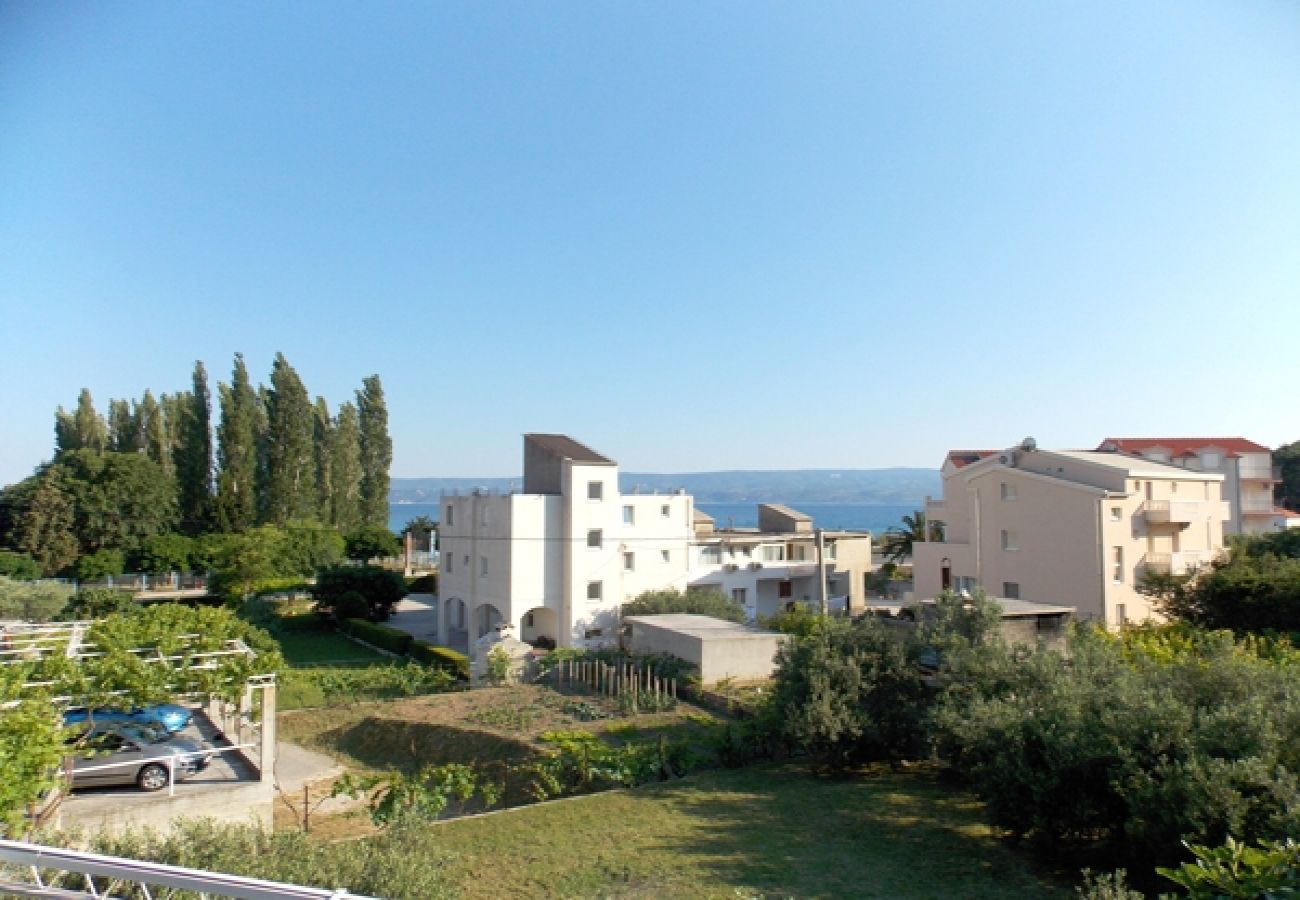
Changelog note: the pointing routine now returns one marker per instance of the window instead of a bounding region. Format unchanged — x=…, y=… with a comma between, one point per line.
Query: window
x=448, y=557
x=738, y=594
x=629, y=562
x=593, y=633
x=595, y=539
x=830, y=550
x=1210, y=460
x=773, y=553
x=1116, y=513
x=665, y=510
x=1010, y=540
x=595, y=591
x=666, y=555
x=785, y=589
x=747, y=551
x=711, y=555
x=629, y=515
x=1118, y=565
x=595, y=490
x=482, y=567
x=451, y=520
x=1011, y=590
x=964, y=584
x=1121, y=614
x=1009, y=492
x=466, y=560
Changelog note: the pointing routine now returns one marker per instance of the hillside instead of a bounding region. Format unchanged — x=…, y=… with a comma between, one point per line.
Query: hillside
x=898, y=486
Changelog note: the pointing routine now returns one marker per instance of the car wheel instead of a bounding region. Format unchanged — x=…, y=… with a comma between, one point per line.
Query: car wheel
x=152, y=777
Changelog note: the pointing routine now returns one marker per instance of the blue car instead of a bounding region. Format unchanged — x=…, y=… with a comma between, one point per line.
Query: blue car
x=168, y=715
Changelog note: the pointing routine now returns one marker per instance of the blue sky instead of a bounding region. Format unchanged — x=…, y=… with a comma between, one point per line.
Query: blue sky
x=692, y=235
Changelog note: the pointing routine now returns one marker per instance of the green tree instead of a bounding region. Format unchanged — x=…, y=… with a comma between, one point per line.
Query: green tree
x=345, y=470
x=237, y=452
x=376, y=452
x=31, y=601
x=83, y=429
x=899, y=541
x=152, y=428
x=18, y=565
x=422, y=530
x=323, y=452
x=119, y=498
x=291, y=470
x=194, y=455
x=382, y=589
x=103, y=562
x=703, y=601
x=122, y=434
x=369, y=541
x=40, y=519
x=1287, y=458
x=162, y=553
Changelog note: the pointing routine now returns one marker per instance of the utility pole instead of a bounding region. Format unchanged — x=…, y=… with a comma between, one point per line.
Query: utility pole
x=821, y=572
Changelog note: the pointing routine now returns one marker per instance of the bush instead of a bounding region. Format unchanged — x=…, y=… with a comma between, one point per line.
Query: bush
x=381, y=589
x=440, y=657
x=99, y=564
x=32, y=601
x=1240, y=872
x=425, y=584
x=796, y=620
x=700, y=601
x=370, y=541
x=19, y=566
x=95, y=603
x=393, y=640
x=350, y=605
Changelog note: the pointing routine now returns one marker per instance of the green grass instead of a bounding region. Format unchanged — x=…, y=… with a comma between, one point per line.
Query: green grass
x=765, y=831
x=313, y=648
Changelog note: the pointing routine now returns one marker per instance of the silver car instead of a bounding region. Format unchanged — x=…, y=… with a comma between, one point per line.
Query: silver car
x=116, y=753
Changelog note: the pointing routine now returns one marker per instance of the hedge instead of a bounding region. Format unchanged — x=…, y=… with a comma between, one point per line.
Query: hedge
x=394, y=640
x=443, y=657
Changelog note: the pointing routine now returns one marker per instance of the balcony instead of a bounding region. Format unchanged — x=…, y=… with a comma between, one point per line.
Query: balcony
x=1177, y=563
x=1172, y=512
x=1270, y=474
x=1251, y=506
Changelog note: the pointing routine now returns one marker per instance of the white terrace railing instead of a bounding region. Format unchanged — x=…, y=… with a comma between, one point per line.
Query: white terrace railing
x=35, y=870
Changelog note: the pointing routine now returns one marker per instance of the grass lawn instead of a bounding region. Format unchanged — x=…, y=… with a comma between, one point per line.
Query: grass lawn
x=764, y=831
x=312, y=648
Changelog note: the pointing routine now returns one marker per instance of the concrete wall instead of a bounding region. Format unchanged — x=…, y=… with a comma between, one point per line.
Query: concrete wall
x=744, y=654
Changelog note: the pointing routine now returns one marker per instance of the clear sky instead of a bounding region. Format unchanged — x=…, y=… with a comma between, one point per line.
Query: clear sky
x=692, y=235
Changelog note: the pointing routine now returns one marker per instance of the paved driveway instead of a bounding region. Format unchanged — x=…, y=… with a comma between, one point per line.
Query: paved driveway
x=417, y=615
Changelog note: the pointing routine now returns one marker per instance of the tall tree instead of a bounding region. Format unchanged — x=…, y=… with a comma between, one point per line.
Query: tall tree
x=40, y=519
x=898, y=541
x=83, y=429
x=194, y=454
x=376, y=452
x=237, y=452
x=1287, y=458
x=122, y=436
x=153, y=432
x=322, y=449
x=291, y=466
x=345, y=470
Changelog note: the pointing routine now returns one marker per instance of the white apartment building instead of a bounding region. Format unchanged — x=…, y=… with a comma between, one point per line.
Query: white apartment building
x=1068, y=528
x=1247, y=469
x=558, y=559
x=775, y=565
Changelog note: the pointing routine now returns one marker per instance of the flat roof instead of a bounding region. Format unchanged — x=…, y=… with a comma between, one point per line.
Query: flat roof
x=1138, y=466
x=703, y=627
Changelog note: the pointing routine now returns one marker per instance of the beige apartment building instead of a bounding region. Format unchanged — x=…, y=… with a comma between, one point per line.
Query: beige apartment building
x=1247, y=469
x=1068, y=528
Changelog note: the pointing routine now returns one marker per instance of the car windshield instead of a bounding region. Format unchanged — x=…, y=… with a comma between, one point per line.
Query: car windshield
x=144, y=734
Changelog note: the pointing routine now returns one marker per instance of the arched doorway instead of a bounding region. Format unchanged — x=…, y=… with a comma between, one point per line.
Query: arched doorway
x=539, y=623
x=486, y=618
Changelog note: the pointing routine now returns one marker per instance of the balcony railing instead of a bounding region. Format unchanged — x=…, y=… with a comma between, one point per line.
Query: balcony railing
x=1177, y=563
x=1172, y=512
x=1260, y=473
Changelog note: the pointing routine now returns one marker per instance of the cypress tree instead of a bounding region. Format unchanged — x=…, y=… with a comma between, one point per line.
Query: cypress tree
x=345, y=470
x=290, y=464
x=376, y=452
x=194, y=454
x=83, y=429
x=122, y=436
x=322, y=449
x=237, y=451
x=151, y=432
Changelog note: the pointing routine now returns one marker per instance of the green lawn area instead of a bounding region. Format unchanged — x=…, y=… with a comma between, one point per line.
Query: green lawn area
x=312, y=648
x=766, y=831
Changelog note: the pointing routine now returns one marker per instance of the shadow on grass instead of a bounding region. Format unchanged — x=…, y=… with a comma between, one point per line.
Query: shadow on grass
x=383, y=743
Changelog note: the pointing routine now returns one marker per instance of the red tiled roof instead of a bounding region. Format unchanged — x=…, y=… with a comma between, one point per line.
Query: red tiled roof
x=960, y=458
x=1183, y=446
x=1279, y=511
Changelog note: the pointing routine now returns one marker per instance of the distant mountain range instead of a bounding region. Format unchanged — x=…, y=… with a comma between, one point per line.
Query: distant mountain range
x=886, y=487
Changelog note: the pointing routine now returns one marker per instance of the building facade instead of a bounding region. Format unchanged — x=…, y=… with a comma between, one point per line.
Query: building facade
x=1068, y=528
x=1247, y=468
x=557, y=560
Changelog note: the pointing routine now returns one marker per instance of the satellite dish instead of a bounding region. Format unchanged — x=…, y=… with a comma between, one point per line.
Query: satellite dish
x=1029, y=445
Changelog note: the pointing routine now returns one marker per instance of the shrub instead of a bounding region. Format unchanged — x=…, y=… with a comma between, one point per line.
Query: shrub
x=18, y=565
x=796, y=620
x=1240, y=872
x=394, y=640
x=425, y=584
x=440, y=657
x=32, y=601
x=700, y=601
x=350, y=605
x=95, y=603
x=370, y=541
x=382, y=589
x=99, y=564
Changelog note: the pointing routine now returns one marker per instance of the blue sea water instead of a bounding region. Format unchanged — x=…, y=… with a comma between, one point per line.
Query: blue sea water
x=841, y=516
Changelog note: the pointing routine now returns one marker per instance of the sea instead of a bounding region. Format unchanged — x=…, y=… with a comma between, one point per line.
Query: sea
x=835, y=516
